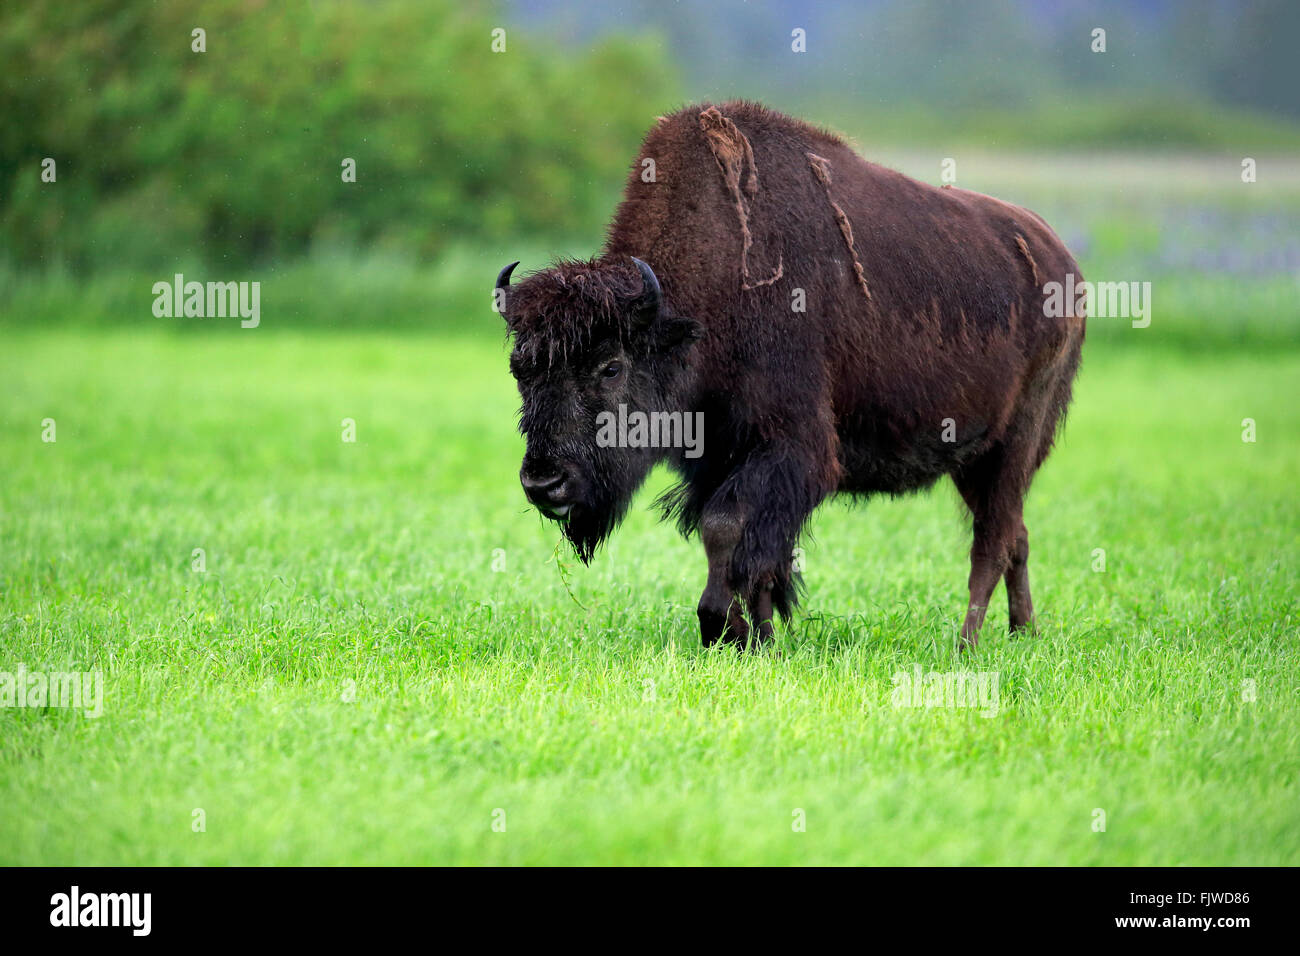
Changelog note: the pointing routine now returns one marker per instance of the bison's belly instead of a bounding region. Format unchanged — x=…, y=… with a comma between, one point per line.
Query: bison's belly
x=878, y=459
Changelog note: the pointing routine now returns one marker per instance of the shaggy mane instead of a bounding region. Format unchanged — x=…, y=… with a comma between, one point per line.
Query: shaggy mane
x=557, y=312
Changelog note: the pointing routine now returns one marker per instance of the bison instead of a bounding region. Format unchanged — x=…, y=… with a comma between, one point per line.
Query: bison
x=831, y=325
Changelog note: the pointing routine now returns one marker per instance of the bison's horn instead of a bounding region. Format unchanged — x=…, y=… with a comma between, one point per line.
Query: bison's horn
x=503, y=278
x=651, y=294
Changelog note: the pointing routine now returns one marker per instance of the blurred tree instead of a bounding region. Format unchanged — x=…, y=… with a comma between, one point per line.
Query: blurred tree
x=235, y=154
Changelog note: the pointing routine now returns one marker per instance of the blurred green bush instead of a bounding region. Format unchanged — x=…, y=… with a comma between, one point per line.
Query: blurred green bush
x=234, y=155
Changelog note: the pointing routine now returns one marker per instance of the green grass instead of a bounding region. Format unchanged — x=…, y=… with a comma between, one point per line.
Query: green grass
x=351, y=681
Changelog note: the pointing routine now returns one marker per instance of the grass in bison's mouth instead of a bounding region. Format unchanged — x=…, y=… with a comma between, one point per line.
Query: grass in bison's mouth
x=354, y=652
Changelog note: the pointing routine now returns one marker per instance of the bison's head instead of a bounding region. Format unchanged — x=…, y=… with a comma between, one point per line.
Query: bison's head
x=588, y=338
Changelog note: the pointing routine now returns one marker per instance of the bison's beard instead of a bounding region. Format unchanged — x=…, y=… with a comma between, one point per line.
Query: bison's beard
x=588, y=527
x=603, y=508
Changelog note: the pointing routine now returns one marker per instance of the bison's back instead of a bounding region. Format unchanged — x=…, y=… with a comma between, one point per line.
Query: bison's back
x=915, y=304
x=741, y=201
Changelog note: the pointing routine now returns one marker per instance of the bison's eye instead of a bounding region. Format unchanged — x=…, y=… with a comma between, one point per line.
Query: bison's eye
x=611, y=370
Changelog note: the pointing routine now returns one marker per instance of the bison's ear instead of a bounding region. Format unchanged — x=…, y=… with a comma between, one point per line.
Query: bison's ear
x=663, y=332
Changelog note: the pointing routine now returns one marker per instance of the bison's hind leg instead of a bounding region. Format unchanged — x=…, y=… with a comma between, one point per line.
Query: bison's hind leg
x=993, y=487
x=1020, y=605
x=1044, y=425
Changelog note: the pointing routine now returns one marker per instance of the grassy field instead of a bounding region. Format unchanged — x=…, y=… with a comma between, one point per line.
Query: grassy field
x=381, y=662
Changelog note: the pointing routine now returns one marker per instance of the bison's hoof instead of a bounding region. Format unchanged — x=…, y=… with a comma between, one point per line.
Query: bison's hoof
x=1026, y=625
x=712, y=625
x=722, y=625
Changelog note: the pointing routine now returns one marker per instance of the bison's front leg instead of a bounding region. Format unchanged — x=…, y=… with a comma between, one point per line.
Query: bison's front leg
x=727, y=595
x=719, y=610
x=749, y=529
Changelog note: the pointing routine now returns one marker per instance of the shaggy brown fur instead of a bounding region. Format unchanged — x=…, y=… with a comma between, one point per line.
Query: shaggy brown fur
x=822, y=170
x=924, y=351
x=736, y=159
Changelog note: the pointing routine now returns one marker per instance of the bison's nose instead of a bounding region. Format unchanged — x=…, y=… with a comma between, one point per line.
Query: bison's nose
x=546, y=490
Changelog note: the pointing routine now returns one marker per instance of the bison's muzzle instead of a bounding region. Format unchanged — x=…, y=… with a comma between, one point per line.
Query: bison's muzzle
x=548, y=488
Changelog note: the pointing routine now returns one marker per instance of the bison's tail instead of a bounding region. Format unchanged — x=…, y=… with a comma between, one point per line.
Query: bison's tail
x=1062, y=393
